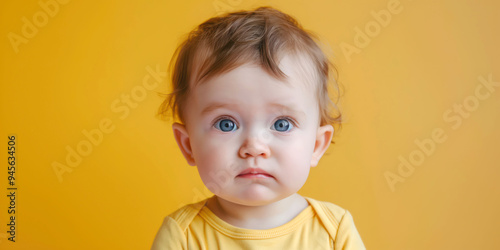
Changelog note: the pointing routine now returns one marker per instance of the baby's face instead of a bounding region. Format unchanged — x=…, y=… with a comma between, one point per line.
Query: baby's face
x=252, y=136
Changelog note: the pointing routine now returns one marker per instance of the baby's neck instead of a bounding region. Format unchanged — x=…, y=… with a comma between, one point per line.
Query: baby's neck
x=258, y=217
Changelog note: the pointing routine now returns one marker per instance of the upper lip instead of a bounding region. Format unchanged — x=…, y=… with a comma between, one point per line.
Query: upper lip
x=254, y=171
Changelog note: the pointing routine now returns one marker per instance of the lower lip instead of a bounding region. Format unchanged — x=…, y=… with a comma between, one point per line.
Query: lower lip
x=255, y=176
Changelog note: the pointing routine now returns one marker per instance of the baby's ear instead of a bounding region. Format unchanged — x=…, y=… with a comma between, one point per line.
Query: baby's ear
x=323, y=138
x=182, y=137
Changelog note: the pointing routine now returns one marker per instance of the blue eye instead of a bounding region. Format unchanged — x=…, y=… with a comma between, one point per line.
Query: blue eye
x=282, y=125
x=225, y=125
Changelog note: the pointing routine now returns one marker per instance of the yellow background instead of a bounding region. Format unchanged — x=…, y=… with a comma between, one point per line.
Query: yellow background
x=65, y=78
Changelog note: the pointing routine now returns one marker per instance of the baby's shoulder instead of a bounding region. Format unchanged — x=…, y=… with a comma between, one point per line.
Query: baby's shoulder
x=171, y=233
x=328, y=210
x=339, y=224
x=184, y=215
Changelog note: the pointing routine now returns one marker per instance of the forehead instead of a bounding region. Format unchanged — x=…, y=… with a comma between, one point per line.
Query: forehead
x=299, y=72
x=300, y=68
x=250, y=88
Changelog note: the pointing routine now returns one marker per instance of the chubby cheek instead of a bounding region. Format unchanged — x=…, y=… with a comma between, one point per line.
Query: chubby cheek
x=295, y=162
x=214, y=164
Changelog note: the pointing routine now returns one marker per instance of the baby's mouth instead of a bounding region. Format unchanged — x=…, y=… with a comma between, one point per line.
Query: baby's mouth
x=254, y=173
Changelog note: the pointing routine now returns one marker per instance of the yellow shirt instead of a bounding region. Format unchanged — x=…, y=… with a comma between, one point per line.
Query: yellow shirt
x=322, y=225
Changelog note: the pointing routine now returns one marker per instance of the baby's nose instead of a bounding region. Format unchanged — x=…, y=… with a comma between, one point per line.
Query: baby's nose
x=253, y=147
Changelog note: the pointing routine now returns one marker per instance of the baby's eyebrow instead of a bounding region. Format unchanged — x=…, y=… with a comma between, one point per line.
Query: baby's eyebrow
x=288, y=110
x=274, y=106
x=215, y=106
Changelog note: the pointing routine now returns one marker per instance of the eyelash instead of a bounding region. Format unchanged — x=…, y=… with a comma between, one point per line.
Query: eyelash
x=223, y=118
x=289, y=119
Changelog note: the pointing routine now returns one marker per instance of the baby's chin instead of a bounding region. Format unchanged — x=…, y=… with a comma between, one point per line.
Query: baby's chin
x=253, y=199
x=252, y=202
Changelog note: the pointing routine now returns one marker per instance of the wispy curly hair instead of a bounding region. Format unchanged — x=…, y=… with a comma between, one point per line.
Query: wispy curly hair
x=262, y=36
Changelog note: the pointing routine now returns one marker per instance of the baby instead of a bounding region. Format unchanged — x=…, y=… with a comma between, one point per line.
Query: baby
x=250, y=90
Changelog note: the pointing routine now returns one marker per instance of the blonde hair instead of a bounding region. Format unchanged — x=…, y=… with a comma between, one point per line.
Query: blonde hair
x=262, y=36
